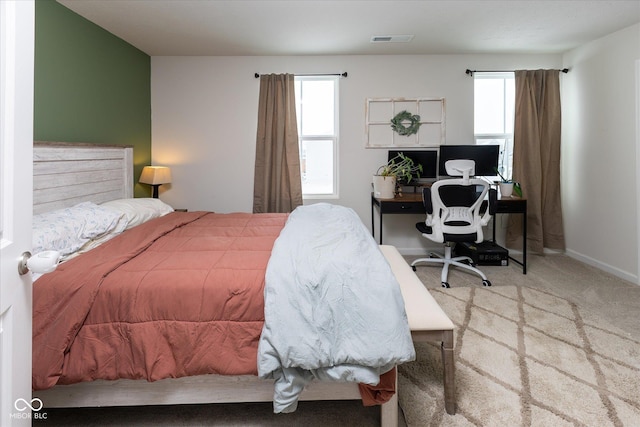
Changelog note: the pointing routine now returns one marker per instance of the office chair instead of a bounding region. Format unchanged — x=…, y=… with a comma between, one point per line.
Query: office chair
x=453, y=216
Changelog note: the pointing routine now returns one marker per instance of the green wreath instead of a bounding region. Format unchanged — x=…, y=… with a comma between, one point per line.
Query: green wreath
x=398, y=126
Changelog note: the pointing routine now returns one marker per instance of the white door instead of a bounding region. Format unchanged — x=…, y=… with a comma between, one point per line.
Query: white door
x=16, y=182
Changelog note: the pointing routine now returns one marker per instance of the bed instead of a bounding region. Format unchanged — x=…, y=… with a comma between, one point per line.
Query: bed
x=58, y=168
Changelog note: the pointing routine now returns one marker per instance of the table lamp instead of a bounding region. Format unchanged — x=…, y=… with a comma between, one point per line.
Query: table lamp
x=155, y=176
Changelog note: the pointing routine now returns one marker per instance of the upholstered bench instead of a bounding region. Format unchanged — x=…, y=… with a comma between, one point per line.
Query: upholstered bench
x=427, y=321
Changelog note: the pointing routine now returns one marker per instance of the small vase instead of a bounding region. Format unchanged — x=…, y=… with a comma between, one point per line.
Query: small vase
x=506, y=189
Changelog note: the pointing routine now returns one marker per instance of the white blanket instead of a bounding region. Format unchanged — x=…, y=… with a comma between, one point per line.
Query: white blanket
x=333, y=308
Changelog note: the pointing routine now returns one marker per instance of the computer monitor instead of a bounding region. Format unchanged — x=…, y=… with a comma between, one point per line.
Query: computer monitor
x=485, y=156
x=427, y=158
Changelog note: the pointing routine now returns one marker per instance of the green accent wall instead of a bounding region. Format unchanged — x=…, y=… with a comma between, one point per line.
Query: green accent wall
x=90, y=86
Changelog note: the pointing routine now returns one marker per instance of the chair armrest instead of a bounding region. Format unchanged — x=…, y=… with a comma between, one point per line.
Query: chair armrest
x=491, y=209
x=426, y=200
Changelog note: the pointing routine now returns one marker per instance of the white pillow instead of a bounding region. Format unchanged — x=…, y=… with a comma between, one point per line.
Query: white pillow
x=138, y=211
x=105, y=237
x=67, y=230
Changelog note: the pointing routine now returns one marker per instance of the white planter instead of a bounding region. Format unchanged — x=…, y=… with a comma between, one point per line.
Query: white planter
x=384, y=187
x=506, y=189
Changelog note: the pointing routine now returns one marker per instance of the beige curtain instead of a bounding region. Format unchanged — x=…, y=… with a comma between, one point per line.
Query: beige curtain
x=277, y=186
x=536, y=159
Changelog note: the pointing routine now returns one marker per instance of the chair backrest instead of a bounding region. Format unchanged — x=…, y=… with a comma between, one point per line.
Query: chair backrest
x=453, y=208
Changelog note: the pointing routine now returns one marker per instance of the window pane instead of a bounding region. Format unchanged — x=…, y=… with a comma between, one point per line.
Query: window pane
x=509, y=105
x=316, y=109
x=489, y=106
x=317, y=166
x=494, y=100
x=317, y=101
x=506, y=153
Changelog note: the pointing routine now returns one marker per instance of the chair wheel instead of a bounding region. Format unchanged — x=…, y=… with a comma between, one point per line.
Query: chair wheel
x=486, y=283
x=413, y=267
x=445, y=285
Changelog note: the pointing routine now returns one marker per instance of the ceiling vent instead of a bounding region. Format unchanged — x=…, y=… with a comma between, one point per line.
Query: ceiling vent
x=391, y=39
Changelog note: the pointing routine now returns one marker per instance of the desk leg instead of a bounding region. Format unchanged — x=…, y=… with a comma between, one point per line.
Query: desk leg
x=524, y=240
x=494, y=229
x=373, y=225
x=380, y=225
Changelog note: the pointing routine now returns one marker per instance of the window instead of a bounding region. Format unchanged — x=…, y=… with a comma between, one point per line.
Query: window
x=494, y=101
x=317, y=114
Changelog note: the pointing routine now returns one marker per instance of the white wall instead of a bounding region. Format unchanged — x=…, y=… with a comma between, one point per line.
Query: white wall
x=599, y=163
x=204, y=112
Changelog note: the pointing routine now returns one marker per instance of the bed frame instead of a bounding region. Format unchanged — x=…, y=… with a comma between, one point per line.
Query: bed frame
x=66, y=174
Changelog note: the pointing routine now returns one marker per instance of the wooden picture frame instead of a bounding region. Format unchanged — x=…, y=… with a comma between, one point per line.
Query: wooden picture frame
x=380, y=111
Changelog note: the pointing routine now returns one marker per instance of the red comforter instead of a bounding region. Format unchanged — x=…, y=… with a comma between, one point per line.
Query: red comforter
x=179, y=295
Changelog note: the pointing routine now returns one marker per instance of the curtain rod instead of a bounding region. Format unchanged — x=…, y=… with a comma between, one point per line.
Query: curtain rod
x=310, y=75
x=470, y=72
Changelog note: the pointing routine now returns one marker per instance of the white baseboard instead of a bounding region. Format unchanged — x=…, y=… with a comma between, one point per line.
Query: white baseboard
x=633, y=278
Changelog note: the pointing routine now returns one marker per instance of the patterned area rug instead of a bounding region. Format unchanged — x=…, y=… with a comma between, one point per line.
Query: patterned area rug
x=524, y=357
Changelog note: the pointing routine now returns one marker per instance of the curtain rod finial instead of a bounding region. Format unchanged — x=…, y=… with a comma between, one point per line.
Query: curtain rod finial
x=469, y=72
x=565, y=70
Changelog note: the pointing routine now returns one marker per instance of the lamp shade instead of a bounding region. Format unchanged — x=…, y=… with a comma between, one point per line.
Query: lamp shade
x=155, y=175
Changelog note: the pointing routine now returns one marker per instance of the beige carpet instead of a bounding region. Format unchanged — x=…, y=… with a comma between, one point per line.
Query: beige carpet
x=525, y=356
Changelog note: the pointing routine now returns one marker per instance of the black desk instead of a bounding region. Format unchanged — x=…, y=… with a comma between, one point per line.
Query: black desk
x=411, y=203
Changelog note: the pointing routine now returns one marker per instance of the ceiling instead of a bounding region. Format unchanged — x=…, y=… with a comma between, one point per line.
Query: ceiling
x=306, y=27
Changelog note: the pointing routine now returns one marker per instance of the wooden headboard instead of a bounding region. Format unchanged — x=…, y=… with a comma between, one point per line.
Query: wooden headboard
x=65, y=174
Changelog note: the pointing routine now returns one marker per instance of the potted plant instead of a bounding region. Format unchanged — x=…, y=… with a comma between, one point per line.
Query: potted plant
x=508, y=186
x=399, y=168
